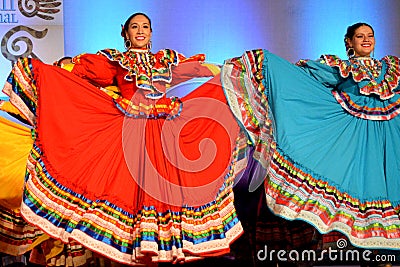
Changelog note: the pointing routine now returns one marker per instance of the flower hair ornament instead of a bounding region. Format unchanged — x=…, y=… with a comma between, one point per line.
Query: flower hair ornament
x=122, y=31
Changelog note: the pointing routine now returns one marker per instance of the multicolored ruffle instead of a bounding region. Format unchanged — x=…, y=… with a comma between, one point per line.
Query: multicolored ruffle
x=16, y=235
x=247, y=96
x=145, y=67
x=370, y=69
x=21, y=89
x=129, y=237
x=389, y=109
x=166, y=108
x=297, y=193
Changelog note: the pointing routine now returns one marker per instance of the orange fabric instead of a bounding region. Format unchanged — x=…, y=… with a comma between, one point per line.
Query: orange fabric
x=98, y=69
x=90, y=147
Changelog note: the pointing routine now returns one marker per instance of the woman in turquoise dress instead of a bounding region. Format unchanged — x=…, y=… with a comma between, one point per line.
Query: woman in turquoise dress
x=326, y=136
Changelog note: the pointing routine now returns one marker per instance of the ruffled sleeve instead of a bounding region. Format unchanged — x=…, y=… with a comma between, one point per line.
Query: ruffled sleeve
x=326, y=75
x=97, y=69
x=188, y=70
x=185, y=68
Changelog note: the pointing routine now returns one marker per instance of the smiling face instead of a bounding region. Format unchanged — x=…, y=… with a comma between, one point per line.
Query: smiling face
x=363, y=41
x=139, y=31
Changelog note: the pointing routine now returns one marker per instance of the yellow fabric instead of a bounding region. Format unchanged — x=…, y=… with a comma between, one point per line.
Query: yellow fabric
x=39, y=240
x=111, y=90
x=68, y=66
x=53, y=248
x=10, y=108
x=215, y=69
x=15, y=144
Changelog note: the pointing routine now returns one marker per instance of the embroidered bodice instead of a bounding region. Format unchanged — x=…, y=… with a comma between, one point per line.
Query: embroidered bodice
x=378, y=77
x=141, y=77
x=365, y=87
x=146, y=68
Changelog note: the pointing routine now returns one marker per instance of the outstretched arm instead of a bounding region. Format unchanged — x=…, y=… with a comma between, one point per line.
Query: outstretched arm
x=97, y=69
x=326, y=75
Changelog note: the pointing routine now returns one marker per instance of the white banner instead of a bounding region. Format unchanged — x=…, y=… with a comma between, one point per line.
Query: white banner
x=30, y=28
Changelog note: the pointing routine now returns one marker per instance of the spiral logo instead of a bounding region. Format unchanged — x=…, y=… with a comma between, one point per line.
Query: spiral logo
x=341, y=243
x=14, y=46
x=183, y=160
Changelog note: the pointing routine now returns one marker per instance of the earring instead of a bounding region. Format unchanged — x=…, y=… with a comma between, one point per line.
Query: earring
x=127, y=44
x=350, y=52
x=149, y=45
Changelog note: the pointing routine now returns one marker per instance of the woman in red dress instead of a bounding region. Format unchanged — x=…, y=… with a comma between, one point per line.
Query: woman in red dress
x=133, y=175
